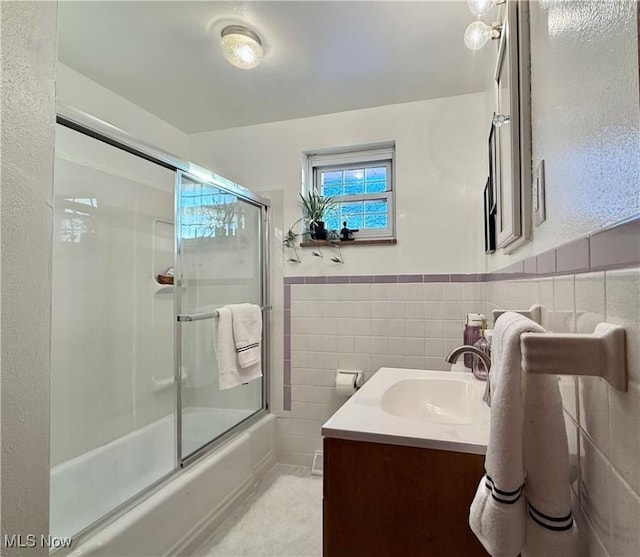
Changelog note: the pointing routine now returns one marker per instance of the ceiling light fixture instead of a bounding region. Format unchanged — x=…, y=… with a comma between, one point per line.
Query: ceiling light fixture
x=481, y=7
x=241, y=47
x=478, y=33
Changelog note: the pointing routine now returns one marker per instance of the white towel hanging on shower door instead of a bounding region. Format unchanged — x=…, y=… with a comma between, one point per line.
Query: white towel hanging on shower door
x=230, y=373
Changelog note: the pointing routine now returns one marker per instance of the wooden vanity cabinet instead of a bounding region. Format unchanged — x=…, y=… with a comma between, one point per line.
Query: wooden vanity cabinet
x=393, y=501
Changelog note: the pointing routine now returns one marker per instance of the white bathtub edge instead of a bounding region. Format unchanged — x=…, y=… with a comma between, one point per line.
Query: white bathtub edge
x=161, y=525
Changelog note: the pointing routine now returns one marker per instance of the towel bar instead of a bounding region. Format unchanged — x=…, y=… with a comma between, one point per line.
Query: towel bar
x=601, y=353
x=210, y=315
x=534, y=313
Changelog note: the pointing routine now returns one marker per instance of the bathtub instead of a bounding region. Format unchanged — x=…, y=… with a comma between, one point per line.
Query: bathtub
x=177, y=516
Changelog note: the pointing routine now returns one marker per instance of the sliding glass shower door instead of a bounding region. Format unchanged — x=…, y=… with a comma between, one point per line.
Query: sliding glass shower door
x=219, y=261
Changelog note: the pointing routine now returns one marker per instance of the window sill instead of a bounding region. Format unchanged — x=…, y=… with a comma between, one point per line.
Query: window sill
x=356, y=242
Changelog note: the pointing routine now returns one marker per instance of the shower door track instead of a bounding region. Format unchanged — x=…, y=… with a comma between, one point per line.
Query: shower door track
x=107, y=133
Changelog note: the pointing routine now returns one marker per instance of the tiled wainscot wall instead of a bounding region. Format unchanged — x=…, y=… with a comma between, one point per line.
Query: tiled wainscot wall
x=412, y=320
x=361, y=323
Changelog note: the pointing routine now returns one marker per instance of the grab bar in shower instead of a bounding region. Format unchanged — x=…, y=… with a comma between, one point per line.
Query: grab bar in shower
x=210, y=315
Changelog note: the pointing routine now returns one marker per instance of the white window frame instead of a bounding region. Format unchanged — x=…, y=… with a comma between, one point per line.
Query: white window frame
x=364, y=156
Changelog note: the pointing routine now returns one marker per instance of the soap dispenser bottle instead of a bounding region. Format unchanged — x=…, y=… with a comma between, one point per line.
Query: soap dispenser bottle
x=471, y=334
x=479, y=369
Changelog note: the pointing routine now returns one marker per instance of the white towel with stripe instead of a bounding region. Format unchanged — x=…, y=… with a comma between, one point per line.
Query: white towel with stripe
x=230, y=372
x=507, y=515
x=247, y=333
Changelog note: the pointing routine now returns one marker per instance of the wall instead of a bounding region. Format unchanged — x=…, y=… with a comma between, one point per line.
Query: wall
x=440, y=169
x=585, y=118
x=78, y=91
x=586, y=126
x=440, y=164
x=412, y=322
x=602, y=424
x=28, y=32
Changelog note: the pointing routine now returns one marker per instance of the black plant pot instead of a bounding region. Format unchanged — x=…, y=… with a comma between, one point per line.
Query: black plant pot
x=318, y=231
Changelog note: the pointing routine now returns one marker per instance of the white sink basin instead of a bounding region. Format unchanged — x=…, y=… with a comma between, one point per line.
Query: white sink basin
x=416, y=408
x=442, y=401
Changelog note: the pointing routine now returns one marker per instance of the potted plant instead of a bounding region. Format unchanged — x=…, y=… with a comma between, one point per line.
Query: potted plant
x=314, y=206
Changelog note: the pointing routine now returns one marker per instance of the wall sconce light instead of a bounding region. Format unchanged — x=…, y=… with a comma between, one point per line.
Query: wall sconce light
x=481, y=7
x=241, y=47
x=478, y=33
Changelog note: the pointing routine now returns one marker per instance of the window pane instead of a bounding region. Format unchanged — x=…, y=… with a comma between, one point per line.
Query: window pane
x=376, y=187
x=353, y=222
x=333, y=178
x=375, y=206
x=377, y=174
x=330, y=191
x=354, y=177
x=354, y=189
x=349, y=209
x=376, y=220
x=332, y=222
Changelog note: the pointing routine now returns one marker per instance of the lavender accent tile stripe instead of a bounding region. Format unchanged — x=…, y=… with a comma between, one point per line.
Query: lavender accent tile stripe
x=463, y=277
x=410, y=278
x=530, y=267
x=361, y=279
x=385, y=278
x=287, y=297
x=547, y=262
x=338, y=280
x=294, y=280
x=286, y=399
x=573, y=257
x=616, y=247
x=287, y=373
x=315, y=280
x=435, y=278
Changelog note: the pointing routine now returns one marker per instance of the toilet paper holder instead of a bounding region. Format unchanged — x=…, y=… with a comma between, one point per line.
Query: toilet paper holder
x=358, y=376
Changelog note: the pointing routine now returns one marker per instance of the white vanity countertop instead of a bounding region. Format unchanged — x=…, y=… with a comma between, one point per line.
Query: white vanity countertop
x=428, y=409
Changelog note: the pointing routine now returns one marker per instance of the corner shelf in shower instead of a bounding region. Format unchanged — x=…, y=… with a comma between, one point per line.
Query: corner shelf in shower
x=164, y=289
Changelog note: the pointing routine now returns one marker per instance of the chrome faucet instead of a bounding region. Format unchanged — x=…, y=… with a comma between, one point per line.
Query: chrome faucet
x=457, y=352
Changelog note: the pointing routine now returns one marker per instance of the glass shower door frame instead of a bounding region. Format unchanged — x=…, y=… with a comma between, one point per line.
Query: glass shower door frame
x=106, y=133
x=264, y=266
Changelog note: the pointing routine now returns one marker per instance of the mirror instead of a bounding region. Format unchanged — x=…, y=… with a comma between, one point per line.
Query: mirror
x=512, y=129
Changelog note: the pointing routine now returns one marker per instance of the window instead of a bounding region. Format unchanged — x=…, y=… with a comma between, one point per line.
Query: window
x=361, y=181
x=208, y=212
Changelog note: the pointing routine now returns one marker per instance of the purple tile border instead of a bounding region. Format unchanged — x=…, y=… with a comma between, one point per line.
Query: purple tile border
x=385, y=278
x=615, y=247
x=469, y=277
x=286, y=393
x=338, y=280
x=287, y=373
x=573, y=257
x=530, y=267
x=435, y=278
x=361, y=279
x=409, y=278
x=315, y=280
x=286, y=400
x=611, y=248
x=546, y=263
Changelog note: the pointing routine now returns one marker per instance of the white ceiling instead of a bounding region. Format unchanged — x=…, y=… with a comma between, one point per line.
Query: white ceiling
x=320, y=57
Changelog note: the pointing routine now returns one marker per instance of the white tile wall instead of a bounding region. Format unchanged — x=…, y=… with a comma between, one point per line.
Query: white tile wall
x=603, y=425
x=362, y=326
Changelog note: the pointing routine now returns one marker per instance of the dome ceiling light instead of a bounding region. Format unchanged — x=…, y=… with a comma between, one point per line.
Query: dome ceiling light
x=241, y=47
